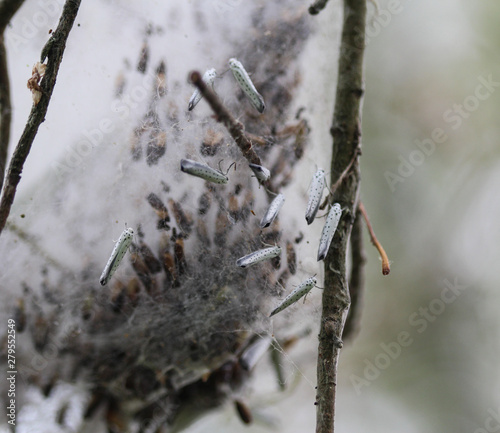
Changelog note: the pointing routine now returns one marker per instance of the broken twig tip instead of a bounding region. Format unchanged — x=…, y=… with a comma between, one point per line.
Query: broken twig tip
x=386, y=268
x=195, y=77
x=317, y=7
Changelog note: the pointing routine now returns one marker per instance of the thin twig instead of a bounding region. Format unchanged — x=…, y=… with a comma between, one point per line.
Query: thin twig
x=234, y=127
x=333, y=188
x=7, y=10
x=5, y=109
x=32, y=242
x=53, y=51
x=386, y=267
x=346, y=132
x=317, y=7
x=357, y=278
x=258, y=140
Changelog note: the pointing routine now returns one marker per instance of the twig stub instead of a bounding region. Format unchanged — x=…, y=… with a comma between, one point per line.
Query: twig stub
x=317, y=7
x=386, y=267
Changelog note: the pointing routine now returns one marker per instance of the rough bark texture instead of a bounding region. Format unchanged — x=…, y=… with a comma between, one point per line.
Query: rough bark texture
x=53, y=51
x=346, y=132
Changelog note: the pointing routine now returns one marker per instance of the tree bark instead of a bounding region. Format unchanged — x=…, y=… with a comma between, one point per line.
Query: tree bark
x=53, y=51
x=346, y=133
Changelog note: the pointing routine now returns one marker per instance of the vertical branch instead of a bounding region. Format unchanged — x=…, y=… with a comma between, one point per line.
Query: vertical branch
x=357, y=278
x=53, y=51
x=5, y=109
x=7, y=10
x=346, y=132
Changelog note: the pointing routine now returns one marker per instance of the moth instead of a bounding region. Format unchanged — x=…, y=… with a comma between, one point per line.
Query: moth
x=258, y=256
x=243, y=79
x=315, y=192
x=117, y=254
x=301, y=290
x=204, y=171
x=254, y=352
x=332, y=221
x=209, y=78
x=272, y=211
x=261, y=173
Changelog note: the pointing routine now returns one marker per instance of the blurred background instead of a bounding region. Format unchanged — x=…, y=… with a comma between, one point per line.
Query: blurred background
x=430, y=169
x=426, y=356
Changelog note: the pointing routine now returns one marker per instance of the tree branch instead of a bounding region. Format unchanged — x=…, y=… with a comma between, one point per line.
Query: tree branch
x=346, y=132
x=35, y=247
x=53, y=51
x=357, y=278
x=234, y=127
x=7, y=10
x=5, y=109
